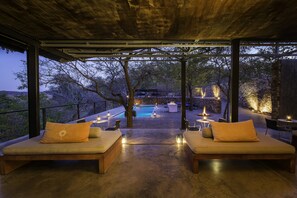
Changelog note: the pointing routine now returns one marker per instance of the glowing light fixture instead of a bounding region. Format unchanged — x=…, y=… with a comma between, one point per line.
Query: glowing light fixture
x=289, y=118
x=179, y=139
x=124, y=139
x=98, y=119
x=203, y=93
x=108, y=114
x=216, y=91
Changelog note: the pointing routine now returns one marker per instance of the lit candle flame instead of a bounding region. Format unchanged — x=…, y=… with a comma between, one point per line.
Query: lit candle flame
x=204, y=111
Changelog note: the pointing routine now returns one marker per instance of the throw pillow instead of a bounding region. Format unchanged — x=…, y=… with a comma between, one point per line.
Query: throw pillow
x=95, y=132
x=234, y=132
x=62, y=133
x=207, y=132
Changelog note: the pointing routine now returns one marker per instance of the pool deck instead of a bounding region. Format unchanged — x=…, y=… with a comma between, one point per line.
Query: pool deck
x=151, y=164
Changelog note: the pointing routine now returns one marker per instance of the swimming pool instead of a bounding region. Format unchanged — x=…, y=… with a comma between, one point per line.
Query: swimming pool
x=143, y=111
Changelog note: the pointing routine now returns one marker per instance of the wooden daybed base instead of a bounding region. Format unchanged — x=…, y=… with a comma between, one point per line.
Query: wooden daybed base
x=194, y=158
x=8, y=163
x=199, y=148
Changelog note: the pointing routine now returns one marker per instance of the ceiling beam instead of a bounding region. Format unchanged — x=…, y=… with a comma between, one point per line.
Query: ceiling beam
x=152, y=43
x=17, y=37
x=176, y=56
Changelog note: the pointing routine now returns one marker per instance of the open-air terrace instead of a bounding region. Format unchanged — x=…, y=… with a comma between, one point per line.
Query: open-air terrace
x=175, y=55
x=152, y=164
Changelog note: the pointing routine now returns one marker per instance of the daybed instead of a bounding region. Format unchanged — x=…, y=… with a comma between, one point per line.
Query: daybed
x=267, y=148
x=104, y=149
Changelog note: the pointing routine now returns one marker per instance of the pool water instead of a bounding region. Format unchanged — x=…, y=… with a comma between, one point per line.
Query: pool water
x=144, y=111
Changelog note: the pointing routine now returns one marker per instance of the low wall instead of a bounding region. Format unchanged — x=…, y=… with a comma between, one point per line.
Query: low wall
x=212, y=104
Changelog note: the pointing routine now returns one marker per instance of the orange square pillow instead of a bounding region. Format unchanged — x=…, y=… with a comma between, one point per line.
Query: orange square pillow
x=234, y=132
x=62, y=133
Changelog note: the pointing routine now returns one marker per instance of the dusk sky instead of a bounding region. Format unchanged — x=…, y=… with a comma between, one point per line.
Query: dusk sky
x=10, y=63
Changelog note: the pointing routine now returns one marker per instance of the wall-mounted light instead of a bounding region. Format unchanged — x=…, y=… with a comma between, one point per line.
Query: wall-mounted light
x=289, y=118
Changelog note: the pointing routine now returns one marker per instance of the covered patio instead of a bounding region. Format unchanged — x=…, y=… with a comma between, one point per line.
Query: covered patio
x=77, y=30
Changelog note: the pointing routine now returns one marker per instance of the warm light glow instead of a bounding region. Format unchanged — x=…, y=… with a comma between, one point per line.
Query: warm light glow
x=179, y=139
x=204, y=111
x=265, y=104
x=204, y=114
x=98, y=118
x=216, y=165
x=258, y=104
x=289, y=118
x=198, y=90
x=216, y=91
x=203, y=93
x=124, y=139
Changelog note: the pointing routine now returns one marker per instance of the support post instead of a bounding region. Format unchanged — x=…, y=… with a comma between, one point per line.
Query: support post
x=234, y=80
x=78, y=111
x=33, y=90
x=43, y=117
x=183, y=93
x=94, y=107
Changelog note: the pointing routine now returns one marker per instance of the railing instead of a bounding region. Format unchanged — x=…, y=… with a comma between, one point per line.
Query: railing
x=79, y=110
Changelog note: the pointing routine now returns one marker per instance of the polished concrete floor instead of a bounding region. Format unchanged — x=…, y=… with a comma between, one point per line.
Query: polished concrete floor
x=151, y=165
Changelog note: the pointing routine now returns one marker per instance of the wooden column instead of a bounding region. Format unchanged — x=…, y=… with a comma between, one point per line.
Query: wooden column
x=33, y=90
x=183, y=93
x=234, y=80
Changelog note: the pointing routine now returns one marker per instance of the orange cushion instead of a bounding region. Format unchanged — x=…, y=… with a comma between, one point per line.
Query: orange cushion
x=237, y=131
x=61, y=133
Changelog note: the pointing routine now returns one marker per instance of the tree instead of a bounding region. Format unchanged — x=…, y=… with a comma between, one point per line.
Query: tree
x=112, y=80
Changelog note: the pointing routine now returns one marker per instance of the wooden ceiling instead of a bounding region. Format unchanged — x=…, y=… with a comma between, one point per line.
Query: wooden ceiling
x=143, y=20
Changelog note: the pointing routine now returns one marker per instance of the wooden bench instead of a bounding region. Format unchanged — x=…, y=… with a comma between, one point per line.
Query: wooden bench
x=287, y=154
x=8, y=163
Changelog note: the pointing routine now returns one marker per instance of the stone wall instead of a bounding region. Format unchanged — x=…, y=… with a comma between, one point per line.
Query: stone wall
x=212, y=104
x=275, y=89
x=284, y=89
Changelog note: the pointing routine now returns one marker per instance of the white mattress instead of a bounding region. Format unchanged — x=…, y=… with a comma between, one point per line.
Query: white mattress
x=94, y=145
x=266, y=145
